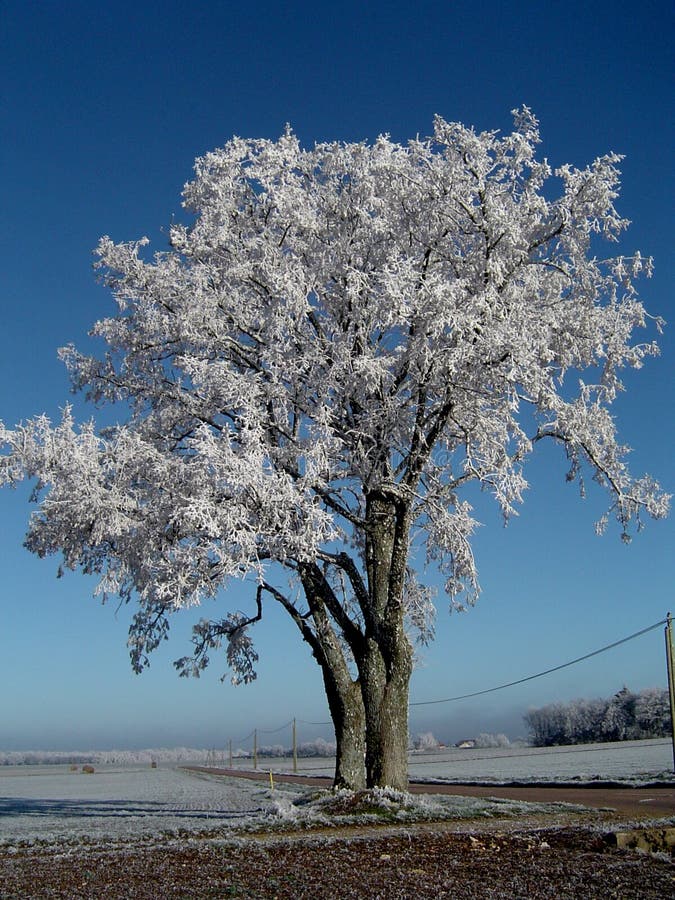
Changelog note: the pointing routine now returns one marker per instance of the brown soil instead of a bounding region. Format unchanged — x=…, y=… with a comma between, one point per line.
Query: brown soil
x=418, y=862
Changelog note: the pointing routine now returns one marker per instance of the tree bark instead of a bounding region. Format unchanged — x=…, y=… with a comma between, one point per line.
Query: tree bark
x=343, y=692
x=385, y=694
x=347, y=712
x=385, y=665
x=369, y=713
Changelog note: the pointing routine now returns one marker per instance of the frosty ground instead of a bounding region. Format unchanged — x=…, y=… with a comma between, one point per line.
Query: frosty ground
x=55, y=803
x=143, y=832
x=630, y=762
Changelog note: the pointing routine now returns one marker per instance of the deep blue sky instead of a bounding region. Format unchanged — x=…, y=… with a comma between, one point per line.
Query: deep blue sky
x=103, y=110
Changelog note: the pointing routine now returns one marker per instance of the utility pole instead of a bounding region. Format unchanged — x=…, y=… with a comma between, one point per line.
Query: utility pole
x=295, y=749
x=255, y=748
x=671, y=678
x=230, y=754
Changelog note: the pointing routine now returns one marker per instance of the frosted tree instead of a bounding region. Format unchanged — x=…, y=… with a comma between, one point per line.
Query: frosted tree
x=425, y=741
x=652, y=712
x=618, y=723
x=625, y=716
x=342, y=340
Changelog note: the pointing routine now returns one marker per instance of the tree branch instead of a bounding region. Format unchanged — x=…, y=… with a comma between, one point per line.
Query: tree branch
x=316, y=585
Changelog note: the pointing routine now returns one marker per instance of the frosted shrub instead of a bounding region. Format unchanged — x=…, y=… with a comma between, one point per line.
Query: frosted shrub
x=488, y=741
x=425, y=741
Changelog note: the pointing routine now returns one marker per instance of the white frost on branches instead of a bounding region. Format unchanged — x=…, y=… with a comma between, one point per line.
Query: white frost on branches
x=337, y=321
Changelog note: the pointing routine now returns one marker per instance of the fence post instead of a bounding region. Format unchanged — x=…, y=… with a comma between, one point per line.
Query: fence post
x=671, y=678
x=255, y=748
x=295, y=749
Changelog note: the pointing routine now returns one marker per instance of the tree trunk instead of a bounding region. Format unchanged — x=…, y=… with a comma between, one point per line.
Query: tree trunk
x=385, y=694
x=342, y=691
x=347, y=712
x=385, y=665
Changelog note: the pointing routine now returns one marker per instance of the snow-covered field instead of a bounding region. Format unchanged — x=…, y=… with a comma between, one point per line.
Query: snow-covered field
x=629, y=761
x=55, y=803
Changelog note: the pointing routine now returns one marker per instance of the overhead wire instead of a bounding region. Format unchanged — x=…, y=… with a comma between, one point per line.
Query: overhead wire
x=275, y=730
x=499, y=687
x=572, y=662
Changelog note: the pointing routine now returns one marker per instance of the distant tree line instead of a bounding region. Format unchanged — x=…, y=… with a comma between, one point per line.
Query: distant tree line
x=427, y=742
x=625, y=716
x=318, y=747
x=105, y=757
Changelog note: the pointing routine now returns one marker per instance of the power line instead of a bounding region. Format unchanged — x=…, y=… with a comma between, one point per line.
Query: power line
x=498, y=687
x=572, y=662
x=276, y=730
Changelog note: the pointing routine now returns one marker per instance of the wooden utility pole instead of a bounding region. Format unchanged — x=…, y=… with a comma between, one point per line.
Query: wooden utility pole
x=255, y=748
x=295, y=749
x=671, y=678
x=230, y=754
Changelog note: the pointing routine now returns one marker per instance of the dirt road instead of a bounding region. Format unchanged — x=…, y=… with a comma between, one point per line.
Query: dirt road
x=628, y=802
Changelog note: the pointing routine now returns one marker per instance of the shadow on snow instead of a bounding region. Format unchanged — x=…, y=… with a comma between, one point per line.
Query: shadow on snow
x=23, y=806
